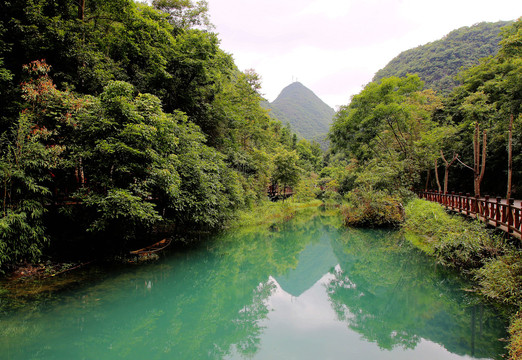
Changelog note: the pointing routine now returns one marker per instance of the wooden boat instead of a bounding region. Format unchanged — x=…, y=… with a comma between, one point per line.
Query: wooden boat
x=151, y=249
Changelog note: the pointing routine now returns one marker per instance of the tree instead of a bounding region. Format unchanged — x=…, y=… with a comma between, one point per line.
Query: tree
x=447, y=165
x=286, y=172
x=490, y=93
x=389, y=120
x=477, y=109
x=185, y=14
x=31, y=154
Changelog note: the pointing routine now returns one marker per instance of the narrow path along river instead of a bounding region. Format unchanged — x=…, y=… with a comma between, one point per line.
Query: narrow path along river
x=305, y=289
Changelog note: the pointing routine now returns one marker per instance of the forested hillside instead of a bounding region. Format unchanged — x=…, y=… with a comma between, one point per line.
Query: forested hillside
x=121, y=119
x=437, y=63
x=397, y=135
x=306, y=113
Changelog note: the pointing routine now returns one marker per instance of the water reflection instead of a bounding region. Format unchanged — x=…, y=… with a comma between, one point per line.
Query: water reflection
x=308, y=289
x=399, y=297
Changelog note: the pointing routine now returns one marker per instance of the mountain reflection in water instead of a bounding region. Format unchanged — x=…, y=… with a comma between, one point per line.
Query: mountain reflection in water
x=308, y=289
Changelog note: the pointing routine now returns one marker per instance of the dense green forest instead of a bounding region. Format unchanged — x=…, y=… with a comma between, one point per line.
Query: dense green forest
x=121, y=119
x=438, y=62
x=308, y=116
x=395, y=132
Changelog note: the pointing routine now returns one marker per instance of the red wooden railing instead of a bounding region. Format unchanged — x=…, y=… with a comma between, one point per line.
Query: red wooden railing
x=503, y=214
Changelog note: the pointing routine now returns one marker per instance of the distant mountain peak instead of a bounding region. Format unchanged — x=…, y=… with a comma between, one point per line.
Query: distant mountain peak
x=307, y=114
x=297, y=87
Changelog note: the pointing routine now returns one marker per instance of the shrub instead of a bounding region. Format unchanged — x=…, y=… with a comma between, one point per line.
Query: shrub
x=370, y=208
x=501, y=278
x=454, y=240
x=515, y=332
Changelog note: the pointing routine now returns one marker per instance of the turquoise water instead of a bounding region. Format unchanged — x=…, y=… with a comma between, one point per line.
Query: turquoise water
x=307, y=289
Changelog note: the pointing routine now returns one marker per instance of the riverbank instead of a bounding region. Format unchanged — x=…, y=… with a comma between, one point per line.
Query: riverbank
x=36, y=280
x=492, y=260
x=268, y=212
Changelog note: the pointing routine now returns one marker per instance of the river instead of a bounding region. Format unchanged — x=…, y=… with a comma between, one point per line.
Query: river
x=304, y=289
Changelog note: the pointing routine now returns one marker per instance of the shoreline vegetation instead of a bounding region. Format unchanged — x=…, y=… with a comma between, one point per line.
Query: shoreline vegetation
x=491, y=260
x=269, y=213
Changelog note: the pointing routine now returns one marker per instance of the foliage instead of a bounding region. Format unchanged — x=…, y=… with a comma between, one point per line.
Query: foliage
x=515, y=332
x=386, y=127
x=453, y=240
x=372, y=208
x=30, y=154
x=306, y=189
x=310, y=156
x=501, y=278
x=184, y=13
x=438, y=62
x=287, y=172
x=269, y=213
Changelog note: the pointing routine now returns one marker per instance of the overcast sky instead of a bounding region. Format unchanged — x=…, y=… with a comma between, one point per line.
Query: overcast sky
x=334, y=47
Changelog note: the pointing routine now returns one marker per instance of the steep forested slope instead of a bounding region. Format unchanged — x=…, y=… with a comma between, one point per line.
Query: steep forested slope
x=438, y=62
x=308, y=115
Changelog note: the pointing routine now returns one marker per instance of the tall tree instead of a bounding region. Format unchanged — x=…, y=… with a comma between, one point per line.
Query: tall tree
x=447, y=165
x=286, y=172
x=478, y=110
x=392, y=120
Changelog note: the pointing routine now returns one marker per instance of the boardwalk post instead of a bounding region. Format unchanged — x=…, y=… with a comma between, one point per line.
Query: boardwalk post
x=486, y=207
x=460, y=202
x=511, y=202
x=492, y=210
x=517, y=219
x=497, y=211
x=467, y=203
x=475, y=206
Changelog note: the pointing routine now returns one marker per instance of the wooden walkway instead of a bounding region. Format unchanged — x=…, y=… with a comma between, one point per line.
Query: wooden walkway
x=500, y=213
x=275, y=193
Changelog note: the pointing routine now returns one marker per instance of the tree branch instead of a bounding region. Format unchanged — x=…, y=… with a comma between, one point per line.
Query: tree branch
x=469, y=167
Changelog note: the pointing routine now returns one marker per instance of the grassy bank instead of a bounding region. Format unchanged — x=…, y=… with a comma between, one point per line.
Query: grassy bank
x=268, y=212
x=491, y=260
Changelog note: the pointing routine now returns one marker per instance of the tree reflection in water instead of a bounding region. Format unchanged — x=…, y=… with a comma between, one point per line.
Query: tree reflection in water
x=395, y=296
x=220, y=301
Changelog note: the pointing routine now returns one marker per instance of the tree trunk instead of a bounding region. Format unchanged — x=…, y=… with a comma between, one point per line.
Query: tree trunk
x=480, y=168
x=437, y=175
x=446, y=169
x=510, y=157
x=81, y=10
x=476, y=157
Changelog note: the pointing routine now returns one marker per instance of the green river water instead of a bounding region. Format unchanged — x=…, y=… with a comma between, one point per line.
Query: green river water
x=305, y=289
